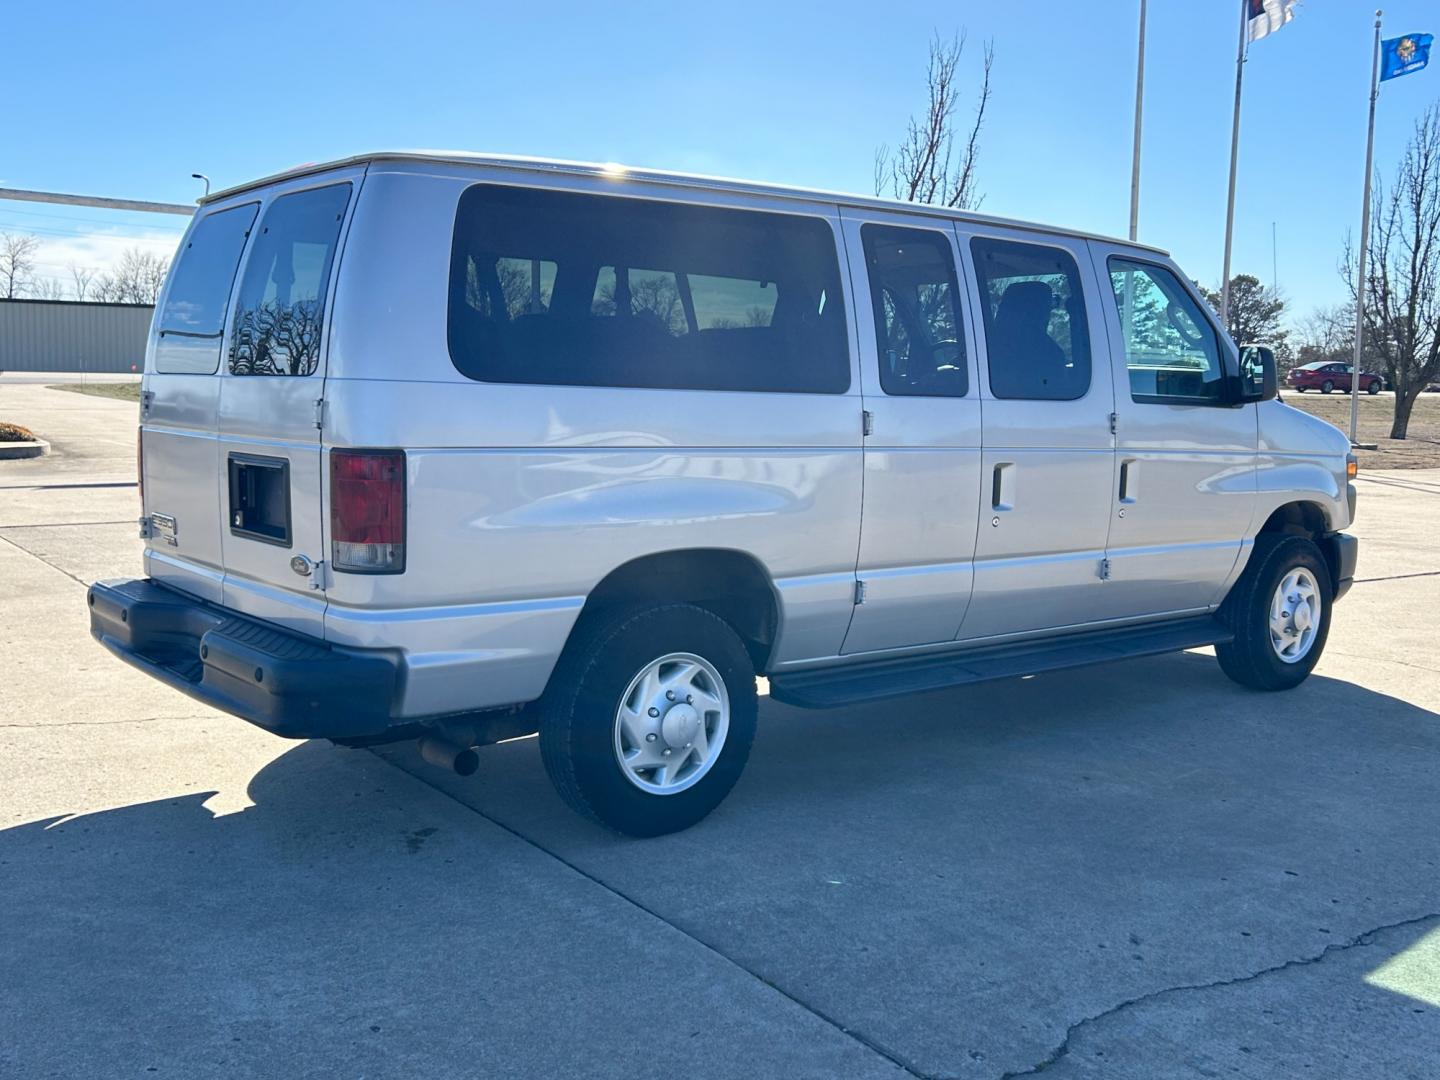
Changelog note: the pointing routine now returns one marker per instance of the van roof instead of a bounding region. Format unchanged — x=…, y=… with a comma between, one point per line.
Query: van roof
x=612, y=170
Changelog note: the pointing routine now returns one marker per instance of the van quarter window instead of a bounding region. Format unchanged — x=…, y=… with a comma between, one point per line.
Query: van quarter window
x=1036, y=334
x=1171, y=349
x=200, y=290
x=917, y=326
x=643, y=294
x=282, y=296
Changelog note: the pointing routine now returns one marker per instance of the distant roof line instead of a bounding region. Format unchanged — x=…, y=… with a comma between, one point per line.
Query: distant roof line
x=611, y=170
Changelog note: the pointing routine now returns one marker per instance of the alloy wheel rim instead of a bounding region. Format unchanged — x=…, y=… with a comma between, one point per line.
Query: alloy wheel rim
x=671, y=723
x=1295, y=613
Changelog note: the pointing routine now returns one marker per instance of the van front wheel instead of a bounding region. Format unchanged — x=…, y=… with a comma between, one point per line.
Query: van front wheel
x=1280, y=612
x=649, y=718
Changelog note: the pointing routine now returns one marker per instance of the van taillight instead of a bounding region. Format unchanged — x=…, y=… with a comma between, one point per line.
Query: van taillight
x=367, y=511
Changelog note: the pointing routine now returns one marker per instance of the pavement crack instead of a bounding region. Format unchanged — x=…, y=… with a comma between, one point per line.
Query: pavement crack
x=100, y=723
x=1362, y=939
x=47, y=562
x=65, y=524
x=1385, y=660
x=1398, y=577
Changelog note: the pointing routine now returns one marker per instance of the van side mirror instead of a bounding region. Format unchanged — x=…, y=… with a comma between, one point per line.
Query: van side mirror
x=1257, y=374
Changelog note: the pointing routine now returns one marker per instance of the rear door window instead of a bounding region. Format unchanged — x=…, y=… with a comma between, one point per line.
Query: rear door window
x=917, y=325
x=281, y=306
x=639, y=293
x=199, y=290
x=1036, y=333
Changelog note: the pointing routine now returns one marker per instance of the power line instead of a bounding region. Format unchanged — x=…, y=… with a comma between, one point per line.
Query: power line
x=45, y=230
x=57, y=217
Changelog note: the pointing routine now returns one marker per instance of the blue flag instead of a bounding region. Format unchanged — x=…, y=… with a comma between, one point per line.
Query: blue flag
x=1404, y=55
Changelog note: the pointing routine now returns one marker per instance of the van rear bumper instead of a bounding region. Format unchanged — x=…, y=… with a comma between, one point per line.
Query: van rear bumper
x=291, y=684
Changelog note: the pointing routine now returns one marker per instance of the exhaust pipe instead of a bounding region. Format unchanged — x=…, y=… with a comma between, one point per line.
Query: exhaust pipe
x=444, y=754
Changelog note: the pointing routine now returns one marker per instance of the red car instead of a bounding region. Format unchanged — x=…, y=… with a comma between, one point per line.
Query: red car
x=1326, y=376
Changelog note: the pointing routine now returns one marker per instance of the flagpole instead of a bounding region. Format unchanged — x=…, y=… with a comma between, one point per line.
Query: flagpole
x=1234, y=156
x=1364, y=241
x=1139, y=108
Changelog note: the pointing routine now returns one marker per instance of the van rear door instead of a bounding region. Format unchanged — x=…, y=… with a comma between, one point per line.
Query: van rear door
x=180, y=401
x=268, y=467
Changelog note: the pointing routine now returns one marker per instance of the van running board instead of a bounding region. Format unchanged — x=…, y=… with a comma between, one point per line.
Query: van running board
x=829, y=688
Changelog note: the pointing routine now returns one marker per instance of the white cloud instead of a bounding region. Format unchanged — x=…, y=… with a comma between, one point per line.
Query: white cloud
x=97, y=251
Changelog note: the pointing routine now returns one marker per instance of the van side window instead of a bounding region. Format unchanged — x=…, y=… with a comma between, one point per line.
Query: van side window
x=1171, y=349
x=1036, y=334
x=917, y=326
x=200, y=288
x=282, y=296
x=646, y=294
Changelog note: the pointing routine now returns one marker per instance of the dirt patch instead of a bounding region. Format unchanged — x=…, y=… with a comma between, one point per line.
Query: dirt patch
x=15, y=433
x=124, y=391
x=1420, y=451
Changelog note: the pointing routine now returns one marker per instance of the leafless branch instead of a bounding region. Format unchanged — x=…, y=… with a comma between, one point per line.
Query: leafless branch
x=924, y=167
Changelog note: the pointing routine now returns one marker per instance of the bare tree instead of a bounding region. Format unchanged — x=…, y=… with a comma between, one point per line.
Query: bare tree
x=1327, y=335
x=136, y=279
x=80, y=278
x=929, y=166
x=1402, y=271
x=49, y=289
x=17, y=263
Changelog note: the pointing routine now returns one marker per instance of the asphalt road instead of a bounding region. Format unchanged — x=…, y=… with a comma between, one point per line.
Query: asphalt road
x=1135, y=871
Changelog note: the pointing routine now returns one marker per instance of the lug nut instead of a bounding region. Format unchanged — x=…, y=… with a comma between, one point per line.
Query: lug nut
x=650, y=737
x=654, y=711
x=689, y=699
x=669, y=695
x=665, y=753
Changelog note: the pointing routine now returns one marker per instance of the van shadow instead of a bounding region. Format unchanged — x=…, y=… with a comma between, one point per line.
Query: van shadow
x=350, y=923
x=973, y=870
x=959, y=876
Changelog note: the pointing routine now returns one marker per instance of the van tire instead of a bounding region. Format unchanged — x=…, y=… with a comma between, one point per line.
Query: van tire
x=1252, y=659
x=579, y=721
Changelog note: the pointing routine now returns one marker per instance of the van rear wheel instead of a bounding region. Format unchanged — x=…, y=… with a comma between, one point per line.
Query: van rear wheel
x=1280, y=612
x=649, y=718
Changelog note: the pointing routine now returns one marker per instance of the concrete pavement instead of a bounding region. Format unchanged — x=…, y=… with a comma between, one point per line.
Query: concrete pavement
x=1130, y=871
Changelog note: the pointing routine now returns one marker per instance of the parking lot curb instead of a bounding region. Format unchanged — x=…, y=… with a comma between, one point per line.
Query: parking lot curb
x=11, y=450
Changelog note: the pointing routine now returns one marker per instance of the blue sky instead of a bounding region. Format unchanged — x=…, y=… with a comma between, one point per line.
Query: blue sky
x=129, y=100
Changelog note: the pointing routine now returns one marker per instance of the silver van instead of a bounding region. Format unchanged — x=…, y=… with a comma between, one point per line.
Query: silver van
x=461, y=448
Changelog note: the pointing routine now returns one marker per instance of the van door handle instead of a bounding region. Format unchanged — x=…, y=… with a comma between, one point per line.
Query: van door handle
x=1002, y=486
x=1128, y=471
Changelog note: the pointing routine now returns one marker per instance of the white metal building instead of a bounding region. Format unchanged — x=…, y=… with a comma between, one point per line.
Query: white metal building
x=62, y=335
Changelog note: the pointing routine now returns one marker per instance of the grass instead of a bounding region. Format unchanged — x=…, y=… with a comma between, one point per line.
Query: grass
x=15, y=433
x=124, y=391
x=1421, y=450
